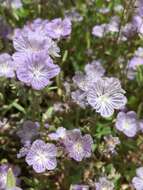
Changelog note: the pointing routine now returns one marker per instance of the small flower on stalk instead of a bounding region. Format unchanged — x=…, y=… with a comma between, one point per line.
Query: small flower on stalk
x=42, y=156
x=36, y=70
x=138, y=180
x=58, y=28
x=127, y=123
x=6, y=66
x=104, y=184
x=28, y=132
x=78, y=146
x=105, y=95
x=32, y=42
x=59, y=134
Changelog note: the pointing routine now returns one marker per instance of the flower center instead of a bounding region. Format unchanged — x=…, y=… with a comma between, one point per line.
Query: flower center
x=78, y=147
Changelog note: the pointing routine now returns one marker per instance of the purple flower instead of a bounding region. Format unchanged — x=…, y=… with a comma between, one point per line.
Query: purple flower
x=127, y=123
x=79, y=97
x=105, y=95
x=79, y=187
x=28, y=131
x=94, y=70
x=42, y=156
x=73, y=15
x=99, y=30
x=36, y=70
x=32, y=42
x=129, y=30
x=23, y=151
x=134, y=63
x=138, y=180
x=78, y=146
x=138, y=23
x=113, y=25
x=59, y=134
x=58, y=28
x=6, y=66
x=103, y=184
x=82, y=81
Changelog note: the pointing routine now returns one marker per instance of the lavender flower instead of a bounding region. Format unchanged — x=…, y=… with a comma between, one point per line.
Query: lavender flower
x=42, y=156
x=99, y=30
x=36, y=70
x=78, y=146
x=6, y=66
x=73, y=15
x=59, y=28
x=105, y=95
x=79, y=97
x=127, y=123
x=129, y=30
x=113, y=25
x=59, y=134
x=111, y=143
x=28, y=132
x=104, y=184
x=32, y=42
x=79, y=187
x=138, y=23
x=24, y=150
x=138, y=180
x=94, y=70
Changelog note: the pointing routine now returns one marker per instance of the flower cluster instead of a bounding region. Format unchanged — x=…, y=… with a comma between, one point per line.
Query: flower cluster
x=75, y=145
x=42, y=156
x=35, y=46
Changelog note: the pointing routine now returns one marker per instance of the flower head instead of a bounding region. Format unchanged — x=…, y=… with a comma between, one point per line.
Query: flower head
x=32, y=42
x=6, y=66
x=79, y=187
x=104, y=184
x=42, y=156
x=73, y=15
x=138, y=180
x=127, y=123
x=105, y=95
x=28, y=131
x=59, y=134
x=78, y=146
x=99, y=30
x=94, y=70
x=36, y=70
x=58, y=28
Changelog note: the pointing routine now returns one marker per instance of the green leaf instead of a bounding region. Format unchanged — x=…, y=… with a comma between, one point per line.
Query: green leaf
x=11, y=182
x=18, y=107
